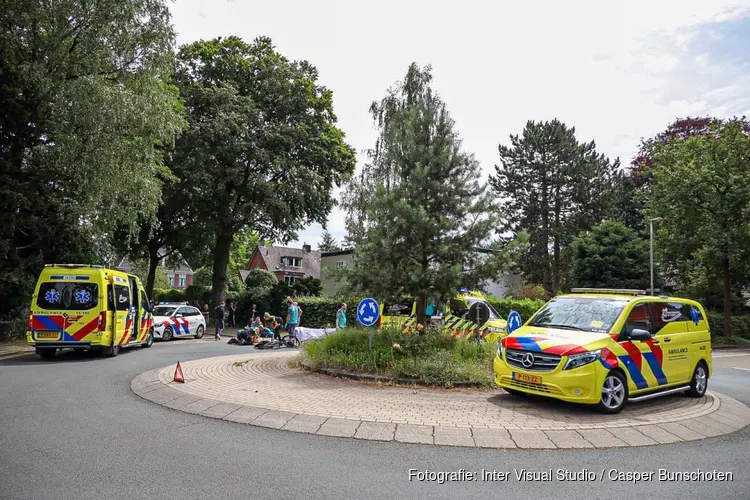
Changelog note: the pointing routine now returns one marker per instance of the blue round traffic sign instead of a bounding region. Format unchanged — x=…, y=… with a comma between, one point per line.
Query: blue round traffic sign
x=514, y=322
x=368, y=312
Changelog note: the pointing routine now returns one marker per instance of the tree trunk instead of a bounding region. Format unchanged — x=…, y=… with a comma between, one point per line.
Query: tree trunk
x=421, y=304
x=221, y=262
x=153, y=263
x=727, y=297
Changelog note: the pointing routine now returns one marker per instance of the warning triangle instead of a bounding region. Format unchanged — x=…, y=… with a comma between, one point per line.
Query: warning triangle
x=178, y=374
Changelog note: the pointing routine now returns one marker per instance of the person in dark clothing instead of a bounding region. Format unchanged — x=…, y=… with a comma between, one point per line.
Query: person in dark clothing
x=232, y=315
x=273, y=323
x=219, y=320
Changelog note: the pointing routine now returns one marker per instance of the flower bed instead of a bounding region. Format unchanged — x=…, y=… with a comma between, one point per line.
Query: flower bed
x=433, y=358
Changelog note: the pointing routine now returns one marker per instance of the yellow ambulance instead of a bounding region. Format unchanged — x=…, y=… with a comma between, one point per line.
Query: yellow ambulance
x=606, y=347
x=88, y=307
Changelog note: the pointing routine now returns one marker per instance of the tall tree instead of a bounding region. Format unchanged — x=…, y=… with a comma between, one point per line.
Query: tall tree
x=328, y=243
x=421, y=205
x=85, y=103
x=611, y=255
x=263, y=151
x=553, y=187
x=699, y=186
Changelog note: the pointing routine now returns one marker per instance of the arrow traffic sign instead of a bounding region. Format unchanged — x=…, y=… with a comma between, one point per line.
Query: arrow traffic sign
x=368, y=312
x=514, y=322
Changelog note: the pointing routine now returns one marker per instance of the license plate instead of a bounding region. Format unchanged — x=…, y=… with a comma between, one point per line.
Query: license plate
x=531, y=379
x=47, y=335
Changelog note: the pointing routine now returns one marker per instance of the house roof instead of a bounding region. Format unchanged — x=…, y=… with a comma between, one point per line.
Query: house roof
x=183, y=268
x=337, y=253
x=272, y=257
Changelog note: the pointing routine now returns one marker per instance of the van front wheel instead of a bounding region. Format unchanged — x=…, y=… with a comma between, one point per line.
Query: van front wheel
x=111, y=351
x=614, y=393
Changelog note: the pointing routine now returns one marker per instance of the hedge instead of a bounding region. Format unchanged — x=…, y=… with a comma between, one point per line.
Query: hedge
x=740, y=326
x=525, y=307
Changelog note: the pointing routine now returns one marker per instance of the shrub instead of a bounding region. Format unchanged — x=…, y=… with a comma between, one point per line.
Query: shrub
x=525, y=307
x=740, y=326
x=435, y=357
x=170, y=295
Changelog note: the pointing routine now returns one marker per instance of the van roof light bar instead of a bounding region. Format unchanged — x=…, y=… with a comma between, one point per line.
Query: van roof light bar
x=71, y=266
x=619, y=291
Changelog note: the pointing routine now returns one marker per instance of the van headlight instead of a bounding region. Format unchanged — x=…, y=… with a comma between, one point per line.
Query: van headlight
x=584, y=358
x=500, y=349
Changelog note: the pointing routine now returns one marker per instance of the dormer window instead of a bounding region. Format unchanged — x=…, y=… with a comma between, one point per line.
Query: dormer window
x=292, y=261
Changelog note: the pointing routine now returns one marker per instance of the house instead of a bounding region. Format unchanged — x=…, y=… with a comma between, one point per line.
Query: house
x=179, y=278
x=287, y=264
x=344, y=258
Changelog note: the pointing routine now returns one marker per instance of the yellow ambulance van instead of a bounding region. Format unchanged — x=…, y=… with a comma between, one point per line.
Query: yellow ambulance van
x=88, y=307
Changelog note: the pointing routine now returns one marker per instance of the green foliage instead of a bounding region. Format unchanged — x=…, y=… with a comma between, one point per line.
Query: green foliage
x=260, y=278
x=419, y=208
x=169, y=295
x=140, y=269
x=525, y=291
x=328, y=243
x=85, y=107
x=740, y=333
x=202, y=276
x=553, y=187
x=525, y=307
x=611, y=256
x=436, y=357
x=263, y=152
x=699, y=187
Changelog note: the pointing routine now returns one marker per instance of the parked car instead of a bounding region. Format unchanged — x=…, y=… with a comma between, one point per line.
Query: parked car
x=178, y=321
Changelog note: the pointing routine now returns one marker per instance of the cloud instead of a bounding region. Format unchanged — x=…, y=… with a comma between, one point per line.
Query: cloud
x=617, y=72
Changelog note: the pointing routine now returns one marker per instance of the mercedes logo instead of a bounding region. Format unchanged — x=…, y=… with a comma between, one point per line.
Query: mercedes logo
x=527, y=360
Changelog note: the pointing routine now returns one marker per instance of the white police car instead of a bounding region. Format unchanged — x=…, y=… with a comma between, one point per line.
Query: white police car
x=178, y=321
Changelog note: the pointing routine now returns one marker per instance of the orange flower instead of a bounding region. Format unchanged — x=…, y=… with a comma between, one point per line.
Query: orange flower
x=397, y=346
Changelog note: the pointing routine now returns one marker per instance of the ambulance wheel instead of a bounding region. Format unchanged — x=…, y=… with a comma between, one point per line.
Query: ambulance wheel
x=168, y=334
x=614, y=393
x=199, y=332
x=149, y=339
x=699, y=382
x=111, y=351
x=46, y=353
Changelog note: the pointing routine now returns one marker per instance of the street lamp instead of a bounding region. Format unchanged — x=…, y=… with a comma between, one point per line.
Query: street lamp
x=651, y=248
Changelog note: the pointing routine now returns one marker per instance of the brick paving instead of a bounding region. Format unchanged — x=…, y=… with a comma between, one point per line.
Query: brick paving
x=264, y=390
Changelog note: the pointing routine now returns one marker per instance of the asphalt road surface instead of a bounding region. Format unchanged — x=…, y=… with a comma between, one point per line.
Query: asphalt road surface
x=72, y=429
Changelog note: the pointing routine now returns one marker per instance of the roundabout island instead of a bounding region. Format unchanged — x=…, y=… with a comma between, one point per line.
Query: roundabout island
x=266, y=390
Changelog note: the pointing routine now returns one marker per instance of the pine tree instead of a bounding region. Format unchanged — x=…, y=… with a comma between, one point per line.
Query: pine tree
x=553, y=187
x=328, y=243
x=418, y=210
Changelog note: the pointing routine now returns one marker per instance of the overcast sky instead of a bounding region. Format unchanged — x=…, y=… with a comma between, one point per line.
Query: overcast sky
x=616, y=71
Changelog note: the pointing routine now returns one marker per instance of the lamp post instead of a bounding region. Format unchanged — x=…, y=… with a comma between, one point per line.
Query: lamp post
x=651, y=248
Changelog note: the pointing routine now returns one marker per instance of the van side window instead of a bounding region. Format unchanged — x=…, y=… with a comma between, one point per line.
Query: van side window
x=144, y=300
x=122, y=298
x=665, y=313
x=639, y=318
x=402, y=307
x=458, y=307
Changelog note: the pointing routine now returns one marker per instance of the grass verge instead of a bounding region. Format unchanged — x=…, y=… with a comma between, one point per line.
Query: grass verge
x=435, y=357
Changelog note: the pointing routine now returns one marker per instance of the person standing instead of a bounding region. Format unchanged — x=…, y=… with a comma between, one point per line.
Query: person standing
x=299, y=313
x=219, y=320
x=232, y=315
x=206, y=314
x=292, y=316
x=341, y=317
x=252, y=318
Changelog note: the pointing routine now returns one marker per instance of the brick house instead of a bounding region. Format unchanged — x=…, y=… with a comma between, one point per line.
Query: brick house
x=179, y=278
x=287, y=264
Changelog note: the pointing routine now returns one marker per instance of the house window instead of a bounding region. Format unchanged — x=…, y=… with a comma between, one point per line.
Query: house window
x=340, y=264
x=182, y=282
x=171, y=281
x=289, y=280
x=292, y=261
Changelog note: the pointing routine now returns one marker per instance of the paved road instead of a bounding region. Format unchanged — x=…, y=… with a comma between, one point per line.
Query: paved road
x=72, y=429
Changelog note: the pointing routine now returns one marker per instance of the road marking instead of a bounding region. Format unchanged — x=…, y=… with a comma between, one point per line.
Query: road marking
x=737, y=368
x=716, y=356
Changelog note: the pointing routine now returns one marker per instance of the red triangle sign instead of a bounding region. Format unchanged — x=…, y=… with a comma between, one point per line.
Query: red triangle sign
x=178, y=374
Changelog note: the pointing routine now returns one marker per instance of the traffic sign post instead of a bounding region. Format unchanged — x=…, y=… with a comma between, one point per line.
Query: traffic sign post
x=514, y=322
x=368, y=313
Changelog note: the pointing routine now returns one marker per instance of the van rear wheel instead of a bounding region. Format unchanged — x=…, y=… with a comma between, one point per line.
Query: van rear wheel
x=46, y=353
x=149, y=339
x=111, y=351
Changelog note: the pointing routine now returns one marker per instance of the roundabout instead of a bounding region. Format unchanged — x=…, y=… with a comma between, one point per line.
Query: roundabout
x=265, y=391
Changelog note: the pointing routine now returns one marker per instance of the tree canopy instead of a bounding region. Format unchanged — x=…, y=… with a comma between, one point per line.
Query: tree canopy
x=700, y=188
x=86, y=105
x=263, y=151
x=419, y=210
x=553, y=187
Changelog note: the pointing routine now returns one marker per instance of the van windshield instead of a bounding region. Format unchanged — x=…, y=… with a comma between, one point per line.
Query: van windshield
x=67, y=296
x=579, y=313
